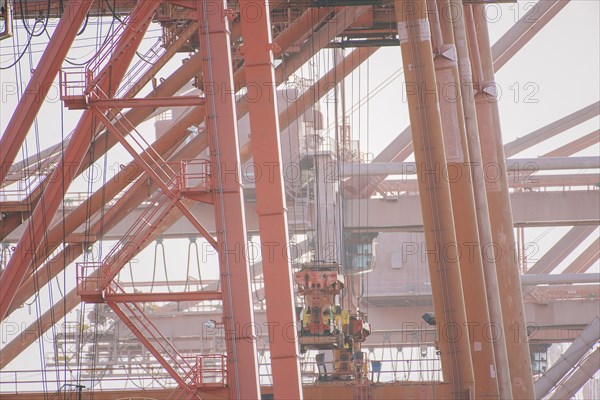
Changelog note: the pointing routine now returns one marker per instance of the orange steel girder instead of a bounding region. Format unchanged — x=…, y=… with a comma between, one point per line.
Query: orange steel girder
x=463, y=206
x=63, y=175
x=438, y=221
x=39, y=84
x=481, y=204
x=221, y=125
x=270, y=197
x=492, y=150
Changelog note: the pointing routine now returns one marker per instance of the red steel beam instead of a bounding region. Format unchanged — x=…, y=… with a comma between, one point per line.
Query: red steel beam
x=39, y=84
x=221, y=127
x=63, y=175
x=271, y=205
x=147, y=344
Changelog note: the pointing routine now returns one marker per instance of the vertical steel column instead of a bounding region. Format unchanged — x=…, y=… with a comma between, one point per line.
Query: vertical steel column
x=463, y=205
x=221, y=123
x=39, y=84
x=65, y=171
x=438, y=221
x=509, y=280
x=481, y=204
x=270, y=197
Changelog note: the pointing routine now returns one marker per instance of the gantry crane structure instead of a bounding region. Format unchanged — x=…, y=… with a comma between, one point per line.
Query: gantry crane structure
x=192, y=180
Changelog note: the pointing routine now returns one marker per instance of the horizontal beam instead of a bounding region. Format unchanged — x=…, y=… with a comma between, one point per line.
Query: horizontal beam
x=201, y=295
x=530, y=208
x=150, y=102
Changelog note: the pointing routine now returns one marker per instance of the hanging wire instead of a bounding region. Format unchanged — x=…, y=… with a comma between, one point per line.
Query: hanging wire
x=34, y=261
x=153, y=270
x=159, y=246
x=94, y=52
x=192, y=245
x=368, y=90
x=64, y=260
x=20, y=56
x=32, y=32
